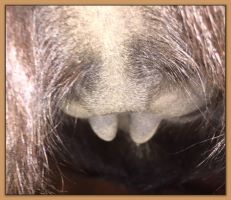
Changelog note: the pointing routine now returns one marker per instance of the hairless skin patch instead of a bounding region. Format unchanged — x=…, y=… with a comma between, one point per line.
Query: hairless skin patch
x=104, y=126
x=142, y=126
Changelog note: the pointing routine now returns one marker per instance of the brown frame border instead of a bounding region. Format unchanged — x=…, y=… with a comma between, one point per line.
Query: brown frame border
x=118, y=2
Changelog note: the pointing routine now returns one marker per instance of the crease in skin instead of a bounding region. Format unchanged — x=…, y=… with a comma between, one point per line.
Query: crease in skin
x=142, y=126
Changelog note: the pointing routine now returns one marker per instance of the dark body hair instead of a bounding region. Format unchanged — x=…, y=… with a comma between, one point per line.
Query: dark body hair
x=48, y=151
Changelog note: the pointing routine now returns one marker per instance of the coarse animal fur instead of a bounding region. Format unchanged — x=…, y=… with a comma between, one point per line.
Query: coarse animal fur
x=65, y=64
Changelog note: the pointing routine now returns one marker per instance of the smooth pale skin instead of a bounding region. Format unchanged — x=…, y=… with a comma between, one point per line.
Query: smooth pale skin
x=141, y=126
